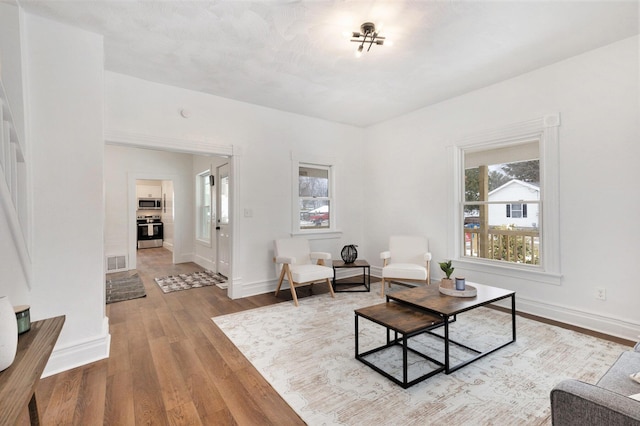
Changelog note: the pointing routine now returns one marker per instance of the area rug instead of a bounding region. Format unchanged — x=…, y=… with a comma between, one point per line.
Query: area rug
x=187, y=281
x=307, y=355
x=123, y=286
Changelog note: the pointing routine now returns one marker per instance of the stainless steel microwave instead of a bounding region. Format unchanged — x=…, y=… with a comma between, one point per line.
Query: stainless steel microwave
x=149, y=204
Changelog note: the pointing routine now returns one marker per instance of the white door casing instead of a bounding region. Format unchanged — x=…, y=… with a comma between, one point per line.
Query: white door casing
x=223, y=227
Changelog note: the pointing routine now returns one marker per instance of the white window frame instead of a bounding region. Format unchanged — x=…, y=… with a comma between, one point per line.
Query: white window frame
x=546, y=131
x=202, y=181
x=306, y=160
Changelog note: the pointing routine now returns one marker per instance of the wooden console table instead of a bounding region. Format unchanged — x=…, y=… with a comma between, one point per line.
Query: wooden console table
x=18, y=383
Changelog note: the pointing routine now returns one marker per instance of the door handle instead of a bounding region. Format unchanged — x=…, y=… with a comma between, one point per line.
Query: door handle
x=217, y=228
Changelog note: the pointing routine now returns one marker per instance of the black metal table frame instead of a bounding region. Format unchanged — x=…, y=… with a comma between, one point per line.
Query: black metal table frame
x=366, y=279
x=448, y=369
x=403, y=342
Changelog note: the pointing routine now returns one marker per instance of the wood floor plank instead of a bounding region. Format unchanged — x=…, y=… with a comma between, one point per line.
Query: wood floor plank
x=119, y=405
x=206, y=397
x=61, y=407
x=151, y=322
x=173, y=330
x=245, y=411
x=119, y=359
x=185, y=414
x=90, y=404
x=172, y=384
x=267, y=401
x=147, y=394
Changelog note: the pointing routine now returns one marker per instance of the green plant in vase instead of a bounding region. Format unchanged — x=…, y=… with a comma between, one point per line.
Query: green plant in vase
x=447, y=268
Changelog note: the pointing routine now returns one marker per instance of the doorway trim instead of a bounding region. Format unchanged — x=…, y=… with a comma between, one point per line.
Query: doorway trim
x=195, y=146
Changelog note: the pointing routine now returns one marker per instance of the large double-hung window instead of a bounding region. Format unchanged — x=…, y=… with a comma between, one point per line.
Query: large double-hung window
x=506, y=211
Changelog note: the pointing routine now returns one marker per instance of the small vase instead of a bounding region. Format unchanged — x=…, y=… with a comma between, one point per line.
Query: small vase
x=349, y=253
x=8, y=333
x=446, y=282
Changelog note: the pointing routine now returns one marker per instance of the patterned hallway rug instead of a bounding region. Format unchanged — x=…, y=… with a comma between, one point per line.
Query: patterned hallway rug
x=121, y=286
x=307, y=355
x=187, y=281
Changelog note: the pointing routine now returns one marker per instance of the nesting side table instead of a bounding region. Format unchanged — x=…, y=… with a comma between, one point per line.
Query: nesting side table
x=366, y=275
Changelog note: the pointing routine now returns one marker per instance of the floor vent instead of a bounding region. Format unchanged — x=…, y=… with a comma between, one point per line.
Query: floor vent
x=116, y=263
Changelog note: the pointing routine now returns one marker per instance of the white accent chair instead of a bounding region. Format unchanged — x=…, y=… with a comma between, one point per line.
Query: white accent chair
x=293, y=259
x=408, y=259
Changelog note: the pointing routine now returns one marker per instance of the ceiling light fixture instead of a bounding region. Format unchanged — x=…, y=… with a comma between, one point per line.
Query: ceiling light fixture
x=367, y=35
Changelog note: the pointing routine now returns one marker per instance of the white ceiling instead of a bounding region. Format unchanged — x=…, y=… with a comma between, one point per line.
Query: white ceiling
x=296, y=55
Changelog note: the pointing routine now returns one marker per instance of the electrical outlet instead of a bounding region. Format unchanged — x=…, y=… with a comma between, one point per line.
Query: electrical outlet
x=601, y=293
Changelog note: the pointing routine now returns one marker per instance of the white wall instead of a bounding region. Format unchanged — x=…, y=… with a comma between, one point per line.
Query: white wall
x=597, y=96
x=125, y=165
x=11, y=63
x=13, y=278
x=262, y=141
x=65, y=100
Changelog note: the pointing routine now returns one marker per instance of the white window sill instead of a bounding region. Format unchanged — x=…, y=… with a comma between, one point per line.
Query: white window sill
x=313, y=234
x=524, y=272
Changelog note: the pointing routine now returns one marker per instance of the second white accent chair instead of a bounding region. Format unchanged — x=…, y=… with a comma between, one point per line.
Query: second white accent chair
x=408, y=259
x=297, y=264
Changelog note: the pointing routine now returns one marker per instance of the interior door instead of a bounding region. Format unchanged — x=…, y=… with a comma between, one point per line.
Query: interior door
x=223, y=227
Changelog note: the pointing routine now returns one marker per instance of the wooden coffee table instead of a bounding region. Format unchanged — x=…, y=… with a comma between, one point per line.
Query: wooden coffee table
x=429, y=299
x=403, y=320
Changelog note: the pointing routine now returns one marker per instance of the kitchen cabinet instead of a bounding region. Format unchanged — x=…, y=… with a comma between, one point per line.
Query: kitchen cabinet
x=148, y=191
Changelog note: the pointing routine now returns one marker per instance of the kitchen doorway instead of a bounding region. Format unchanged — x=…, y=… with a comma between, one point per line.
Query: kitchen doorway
x=123, y=165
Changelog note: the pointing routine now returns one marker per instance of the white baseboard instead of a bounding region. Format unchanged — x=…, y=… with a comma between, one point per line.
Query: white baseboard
x=607, y=325
x=254, y=288
x=80, y=353
x=269, y=286
x=184, y=257
x=204, y=262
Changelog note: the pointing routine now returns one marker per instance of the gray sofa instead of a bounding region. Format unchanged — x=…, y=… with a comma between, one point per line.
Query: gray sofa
x=606, y=403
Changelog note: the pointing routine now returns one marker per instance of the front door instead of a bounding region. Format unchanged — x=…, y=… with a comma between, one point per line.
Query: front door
x=223, y=226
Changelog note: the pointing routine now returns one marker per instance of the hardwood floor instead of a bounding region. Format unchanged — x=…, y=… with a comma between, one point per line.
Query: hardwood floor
x=169, y=364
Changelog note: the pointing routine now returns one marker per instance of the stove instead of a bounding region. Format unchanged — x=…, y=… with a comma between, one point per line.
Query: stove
x=150, y=231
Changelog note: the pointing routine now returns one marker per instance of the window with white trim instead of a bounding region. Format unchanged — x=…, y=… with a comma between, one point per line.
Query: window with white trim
x=490, y=196
x=203, y=207
x=315, y=204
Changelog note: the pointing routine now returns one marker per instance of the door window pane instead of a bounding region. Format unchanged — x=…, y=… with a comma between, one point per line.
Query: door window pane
x=203, y=207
